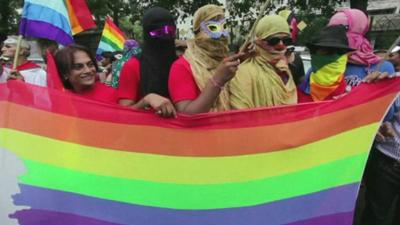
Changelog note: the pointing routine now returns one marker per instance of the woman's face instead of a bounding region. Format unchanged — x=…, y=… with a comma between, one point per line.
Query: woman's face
x=83, y=72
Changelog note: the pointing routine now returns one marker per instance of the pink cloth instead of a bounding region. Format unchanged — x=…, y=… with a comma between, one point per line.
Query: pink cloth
x=358, y=25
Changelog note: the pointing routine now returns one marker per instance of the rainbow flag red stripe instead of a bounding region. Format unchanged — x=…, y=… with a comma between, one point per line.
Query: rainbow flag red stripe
x=91, y=163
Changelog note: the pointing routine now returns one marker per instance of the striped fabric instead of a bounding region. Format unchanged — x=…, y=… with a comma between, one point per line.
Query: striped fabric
x=56, y=20
x=112, y=38
x=92, y=163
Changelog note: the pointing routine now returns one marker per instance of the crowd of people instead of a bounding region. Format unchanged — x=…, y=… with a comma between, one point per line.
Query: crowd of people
x=204, y=76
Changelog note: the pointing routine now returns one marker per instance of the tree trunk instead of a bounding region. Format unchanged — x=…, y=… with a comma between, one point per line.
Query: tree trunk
x=359, y=4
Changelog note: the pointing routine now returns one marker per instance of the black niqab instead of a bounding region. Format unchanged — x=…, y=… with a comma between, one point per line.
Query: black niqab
x=158, y=53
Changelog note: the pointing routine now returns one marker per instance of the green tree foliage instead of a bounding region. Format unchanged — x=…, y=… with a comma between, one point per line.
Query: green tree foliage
x=9, y=18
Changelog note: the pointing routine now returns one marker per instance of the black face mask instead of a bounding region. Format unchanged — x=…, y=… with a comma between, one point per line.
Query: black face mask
x=158, y=53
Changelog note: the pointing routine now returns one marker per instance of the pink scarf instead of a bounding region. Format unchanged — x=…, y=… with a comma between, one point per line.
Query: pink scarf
x=358, y=26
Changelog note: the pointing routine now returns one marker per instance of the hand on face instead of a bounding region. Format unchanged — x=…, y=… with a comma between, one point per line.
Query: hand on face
x=83, y=72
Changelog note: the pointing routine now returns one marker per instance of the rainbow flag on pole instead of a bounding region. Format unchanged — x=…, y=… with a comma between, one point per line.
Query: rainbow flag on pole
x=56, y=20
x=112, y=38
x=68, y=160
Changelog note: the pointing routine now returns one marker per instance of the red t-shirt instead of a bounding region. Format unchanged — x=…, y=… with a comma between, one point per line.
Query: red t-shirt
x=129, y=80
x=181, y=83
x=102, y=93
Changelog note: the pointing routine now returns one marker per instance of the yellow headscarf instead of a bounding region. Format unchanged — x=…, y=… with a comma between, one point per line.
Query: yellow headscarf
x=205, y=54
x=257, y=83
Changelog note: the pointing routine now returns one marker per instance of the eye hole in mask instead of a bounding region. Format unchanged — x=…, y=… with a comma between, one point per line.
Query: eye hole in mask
x=215, y=29
x=164, y=31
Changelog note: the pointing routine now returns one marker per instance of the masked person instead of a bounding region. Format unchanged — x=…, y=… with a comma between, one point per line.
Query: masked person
x=325, y=79
x=363, y=64
x=197, y=81
x=265, y=79
x=144, y=80
x=26, y=70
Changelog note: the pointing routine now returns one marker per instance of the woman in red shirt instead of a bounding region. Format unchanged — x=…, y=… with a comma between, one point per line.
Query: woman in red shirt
x=144, y=80
x=78, y=69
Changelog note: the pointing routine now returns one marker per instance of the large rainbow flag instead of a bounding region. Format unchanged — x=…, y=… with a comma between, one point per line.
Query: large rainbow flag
x=66, y=160
x=56, y=20
x=112, y=38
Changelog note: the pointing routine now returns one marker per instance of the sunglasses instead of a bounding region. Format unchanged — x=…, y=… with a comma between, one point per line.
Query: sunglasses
x=276, y=40
x=164, y=31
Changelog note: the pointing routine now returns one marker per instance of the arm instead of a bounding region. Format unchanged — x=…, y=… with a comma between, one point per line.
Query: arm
x=162, y=106
x=204, y=102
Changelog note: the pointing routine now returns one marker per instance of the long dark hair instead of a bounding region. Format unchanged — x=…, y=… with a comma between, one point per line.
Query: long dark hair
x=64, y=59
x=158, y=53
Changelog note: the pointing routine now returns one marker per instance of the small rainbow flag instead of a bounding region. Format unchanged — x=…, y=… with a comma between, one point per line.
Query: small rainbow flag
x=81, y=162
x=112, y=38
x=56, y=20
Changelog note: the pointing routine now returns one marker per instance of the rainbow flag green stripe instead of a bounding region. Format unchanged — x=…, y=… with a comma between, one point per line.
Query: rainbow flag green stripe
x=226, y=195
x=180, y=170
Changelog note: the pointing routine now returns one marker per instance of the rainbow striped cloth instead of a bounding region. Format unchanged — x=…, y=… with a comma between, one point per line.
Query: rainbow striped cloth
x=83, y=162
x=112, y=38
x=56, y=20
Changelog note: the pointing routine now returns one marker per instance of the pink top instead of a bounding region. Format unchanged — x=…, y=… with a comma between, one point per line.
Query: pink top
x=181, y=83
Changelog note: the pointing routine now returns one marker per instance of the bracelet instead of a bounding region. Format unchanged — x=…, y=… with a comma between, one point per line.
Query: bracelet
x=216, y=84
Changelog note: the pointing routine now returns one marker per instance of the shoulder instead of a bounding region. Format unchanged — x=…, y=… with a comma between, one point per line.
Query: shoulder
x=180, y=67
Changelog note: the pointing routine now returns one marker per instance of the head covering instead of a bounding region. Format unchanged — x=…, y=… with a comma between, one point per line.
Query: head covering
x=358, y=25
x=331, y=37
x=258, y=81
x=158, y=54
x=204, y=54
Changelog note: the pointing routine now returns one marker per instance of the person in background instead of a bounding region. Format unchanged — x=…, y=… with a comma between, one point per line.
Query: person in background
x=77, y=68
x=197, y=82
x=265, y=78
x=363, y=64
x=105, y=65
x=394, y=58
x=144, y=80
x=295, y=62
x=26, y=70
x=46, y=45
x=329, y=54
x=131, y=49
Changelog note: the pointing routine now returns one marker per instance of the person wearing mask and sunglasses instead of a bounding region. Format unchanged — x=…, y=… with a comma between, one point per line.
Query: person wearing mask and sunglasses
x=265, y=78
x=144, y=79
x=197, y=82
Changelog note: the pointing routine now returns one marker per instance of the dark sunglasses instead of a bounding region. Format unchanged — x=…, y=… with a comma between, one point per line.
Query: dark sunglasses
x=275, y=40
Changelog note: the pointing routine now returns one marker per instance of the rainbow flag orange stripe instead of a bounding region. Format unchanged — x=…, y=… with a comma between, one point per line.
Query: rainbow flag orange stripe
x=87, y=162
x=112, y=38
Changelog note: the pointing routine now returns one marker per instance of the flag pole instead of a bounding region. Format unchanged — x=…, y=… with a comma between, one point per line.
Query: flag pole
x=250, y=36
x=17, y=50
